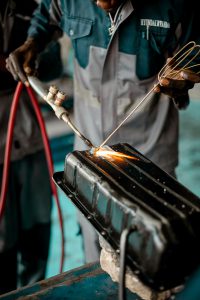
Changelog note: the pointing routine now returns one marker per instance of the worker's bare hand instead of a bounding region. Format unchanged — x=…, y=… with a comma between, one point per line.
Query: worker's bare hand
x=21, y=62
x=177, y=84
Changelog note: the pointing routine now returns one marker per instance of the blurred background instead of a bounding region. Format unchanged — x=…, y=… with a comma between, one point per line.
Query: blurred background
x=61, y=141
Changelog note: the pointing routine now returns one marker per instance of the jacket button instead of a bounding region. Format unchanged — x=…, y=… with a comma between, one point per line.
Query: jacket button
x=71, y=32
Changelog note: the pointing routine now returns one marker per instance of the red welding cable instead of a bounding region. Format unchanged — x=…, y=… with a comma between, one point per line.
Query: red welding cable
x=11, y=124
x=50, y=166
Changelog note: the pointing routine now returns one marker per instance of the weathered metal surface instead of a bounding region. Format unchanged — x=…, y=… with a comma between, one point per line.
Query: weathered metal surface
x=86, y=283
x=117, y=193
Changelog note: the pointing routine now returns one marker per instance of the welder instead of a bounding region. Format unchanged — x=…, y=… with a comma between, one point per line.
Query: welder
x=119, y=48
x=25, y=226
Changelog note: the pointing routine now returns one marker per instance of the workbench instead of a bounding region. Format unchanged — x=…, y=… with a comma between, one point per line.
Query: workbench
x=88, y=282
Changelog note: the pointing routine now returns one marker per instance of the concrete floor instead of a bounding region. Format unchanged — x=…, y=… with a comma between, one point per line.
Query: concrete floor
x=188, y=173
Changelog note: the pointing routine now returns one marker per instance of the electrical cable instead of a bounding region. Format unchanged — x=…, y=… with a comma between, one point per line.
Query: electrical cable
x=122, y=275
x=7, y=156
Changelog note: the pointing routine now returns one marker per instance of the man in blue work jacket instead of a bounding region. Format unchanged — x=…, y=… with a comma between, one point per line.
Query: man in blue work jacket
x=119, y=47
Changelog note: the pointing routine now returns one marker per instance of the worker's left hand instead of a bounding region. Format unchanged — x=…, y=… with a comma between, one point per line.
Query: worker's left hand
x=178, y=86
x=21, y=62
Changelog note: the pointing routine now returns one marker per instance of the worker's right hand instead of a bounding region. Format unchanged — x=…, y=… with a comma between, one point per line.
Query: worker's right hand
x=176, y=83
x=21, y=62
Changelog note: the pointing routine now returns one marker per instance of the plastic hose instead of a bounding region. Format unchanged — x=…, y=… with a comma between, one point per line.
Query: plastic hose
x=50, y=167
x=8, y=147
x=5, y=176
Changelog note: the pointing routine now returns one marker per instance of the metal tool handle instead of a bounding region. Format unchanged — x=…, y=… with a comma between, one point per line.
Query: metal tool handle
x=60, y=111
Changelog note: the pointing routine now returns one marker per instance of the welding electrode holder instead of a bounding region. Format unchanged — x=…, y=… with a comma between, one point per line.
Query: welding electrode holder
x=55, y=99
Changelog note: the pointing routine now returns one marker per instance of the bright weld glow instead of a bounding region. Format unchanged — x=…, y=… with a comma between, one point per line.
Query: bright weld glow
x=112, y=154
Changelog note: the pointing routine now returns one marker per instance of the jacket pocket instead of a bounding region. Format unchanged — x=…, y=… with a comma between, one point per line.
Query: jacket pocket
x=153, y=46
x=79, y=31
x=77, y=27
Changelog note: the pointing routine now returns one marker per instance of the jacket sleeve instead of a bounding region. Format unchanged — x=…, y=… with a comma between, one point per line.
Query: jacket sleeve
x=195, y=34
x=45, y=24
x=187, y=22
x=190, y=31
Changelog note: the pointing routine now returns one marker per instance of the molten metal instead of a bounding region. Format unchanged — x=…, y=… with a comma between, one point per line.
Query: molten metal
x=112, y=154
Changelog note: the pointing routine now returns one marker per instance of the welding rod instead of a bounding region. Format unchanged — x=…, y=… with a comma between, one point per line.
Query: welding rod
x=60, y=111
x=128, y=116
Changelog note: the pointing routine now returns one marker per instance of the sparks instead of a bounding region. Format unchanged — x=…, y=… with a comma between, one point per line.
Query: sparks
x=112, y=154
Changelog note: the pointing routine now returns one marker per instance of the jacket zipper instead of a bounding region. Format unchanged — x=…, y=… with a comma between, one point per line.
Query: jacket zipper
x=112, y=28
